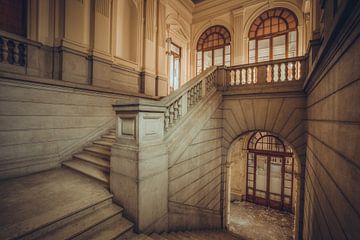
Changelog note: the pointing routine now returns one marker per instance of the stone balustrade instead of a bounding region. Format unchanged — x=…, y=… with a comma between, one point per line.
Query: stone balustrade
x=12, y=51
x=178, y=103
x=278, y=71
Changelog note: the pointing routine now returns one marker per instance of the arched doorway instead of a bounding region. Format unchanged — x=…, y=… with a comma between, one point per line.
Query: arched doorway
x=270, y=171
x=273, y=35
x=213, y=48
x=263, y=179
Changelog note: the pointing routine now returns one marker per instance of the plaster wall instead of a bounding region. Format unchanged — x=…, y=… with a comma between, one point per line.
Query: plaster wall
x=40, y=125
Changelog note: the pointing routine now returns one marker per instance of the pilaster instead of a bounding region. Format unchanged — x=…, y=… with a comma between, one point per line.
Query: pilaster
x=238, y=47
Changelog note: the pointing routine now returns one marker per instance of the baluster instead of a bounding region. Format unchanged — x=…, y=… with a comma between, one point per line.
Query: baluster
x=179, y=107
x=255, y=77
x=237, y=77
x=171, y=113
x=279, y=72
x=298, y=70
x=268, y=73
x=290, y=76
x=249, y=75
x=11, y=51
x=176, y=110
x=188, y=99
x=22, y=54
x=293, y=70
x=283, y=72
x=232, y=77
x=167, y=119
x=1, y=49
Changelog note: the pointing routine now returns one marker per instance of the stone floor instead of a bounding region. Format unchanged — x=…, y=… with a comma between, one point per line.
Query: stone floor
x=255, y=222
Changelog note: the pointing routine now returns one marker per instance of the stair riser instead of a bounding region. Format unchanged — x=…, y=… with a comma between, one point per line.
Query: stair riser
x=61, y=222
x=96, y=154
x=105, y=184
x=103, y=146
x=90, y=232
x=102, y=168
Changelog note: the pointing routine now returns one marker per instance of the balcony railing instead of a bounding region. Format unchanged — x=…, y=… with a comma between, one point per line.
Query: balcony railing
x=12, y=51
x=182, y=100
x=272, y=72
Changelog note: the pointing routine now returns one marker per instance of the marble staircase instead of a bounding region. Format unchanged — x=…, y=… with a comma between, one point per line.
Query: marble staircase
x=94, y=160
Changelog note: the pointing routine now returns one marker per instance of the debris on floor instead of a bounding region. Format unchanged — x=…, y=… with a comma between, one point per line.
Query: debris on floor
x=256, y=222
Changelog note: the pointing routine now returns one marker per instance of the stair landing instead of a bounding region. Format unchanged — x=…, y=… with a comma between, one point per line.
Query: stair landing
x=32, y=202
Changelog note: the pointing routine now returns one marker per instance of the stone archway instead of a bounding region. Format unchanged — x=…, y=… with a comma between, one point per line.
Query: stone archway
x=283, y=115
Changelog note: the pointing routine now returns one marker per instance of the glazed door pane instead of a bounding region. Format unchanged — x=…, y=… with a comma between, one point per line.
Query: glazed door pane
x=261, y=176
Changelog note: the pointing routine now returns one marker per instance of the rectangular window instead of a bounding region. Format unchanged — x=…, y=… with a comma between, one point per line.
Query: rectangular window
x=219, y=57
x=279, y=47
x=174, y=67
x=252, y=47
x=198, y=62
x=263, y=50
x=207, y=59
x=292, y=44
x=227, y=55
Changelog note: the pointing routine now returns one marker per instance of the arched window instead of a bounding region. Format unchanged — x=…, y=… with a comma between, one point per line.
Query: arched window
x=273, y=35
x=213, y=48
x=270, y=172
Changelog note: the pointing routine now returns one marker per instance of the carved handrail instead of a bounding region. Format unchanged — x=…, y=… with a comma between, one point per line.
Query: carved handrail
x=179, y=102
x=277, y=71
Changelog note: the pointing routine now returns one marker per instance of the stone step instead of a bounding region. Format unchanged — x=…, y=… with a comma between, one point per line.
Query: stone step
x=156, y=236
x=80, y=226
x=103, y=143
x=109, y=136
x=98, y=151
x=84, y=156
x=141, y=237
x=36, y=204
x=88, y=170
x=119, y=227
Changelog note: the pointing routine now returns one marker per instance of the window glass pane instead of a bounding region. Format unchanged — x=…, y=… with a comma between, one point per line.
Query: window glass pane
x=251, y=51
x=279, y=47
x=227, y=55
x=176, y=73
x=219, y=57
x=263, y=50
x=207, y=59
x=171, y=72
x=199, y=63
x=292, y=44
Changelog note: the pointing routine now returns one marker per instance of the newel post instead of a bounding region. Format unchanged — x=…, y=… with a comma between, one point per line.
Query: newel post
x=139, y=164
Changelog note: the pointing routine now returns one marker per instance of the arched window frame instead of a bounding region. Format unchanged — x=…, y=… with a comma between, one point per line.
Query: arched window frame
x=291, y=22
x=287, y=167
x=206, y=38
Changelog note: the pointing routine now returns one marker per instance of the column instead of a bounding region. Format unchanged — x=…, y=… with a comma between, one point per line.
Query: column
x=162, y=58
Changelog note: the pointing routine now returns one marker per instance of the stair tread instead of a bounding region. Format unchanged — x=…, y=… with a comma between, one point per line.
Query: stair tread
x=88, y=170
x=109, y=136
x=104, y=143
x=98, y=150
x=82, y=224
x=113, y=230
x=92, y=159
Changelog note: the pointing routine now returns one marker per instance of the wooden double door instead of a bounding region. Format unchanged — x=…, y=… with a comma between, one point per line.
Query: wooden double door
x=270, y=180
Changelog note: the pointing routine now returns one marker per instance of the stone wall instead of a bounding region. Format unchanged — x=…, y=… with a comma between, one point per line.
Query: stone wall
x=40, y=125
x=332, y=195
x=195, y=173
